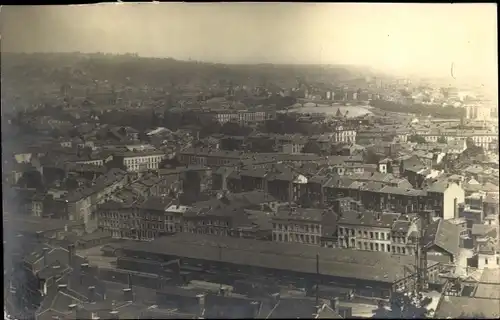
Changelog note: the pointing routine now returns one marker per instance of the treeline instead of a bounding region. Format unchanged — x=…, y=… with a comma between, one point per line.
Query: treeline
x=420, y=109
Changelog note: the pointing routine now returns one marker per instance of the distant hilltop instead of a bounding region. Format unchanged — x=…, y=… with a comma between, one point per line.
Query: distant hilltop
x=32, y=73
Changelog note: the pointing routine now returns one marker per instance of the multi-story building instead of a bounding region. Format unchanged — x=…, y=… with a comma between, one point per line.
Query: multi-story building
x=298, y=225
x=212, y=158
x=241, y=116
x=344, y=134
x=290, y=143
x=140, y=160
x=81, y=204
x=366, y=230
x=444, y=198
x=138, y=220
x=442, y=240
x=226, y=215
x=403, y=236
x=376, y=191
x=481, y=138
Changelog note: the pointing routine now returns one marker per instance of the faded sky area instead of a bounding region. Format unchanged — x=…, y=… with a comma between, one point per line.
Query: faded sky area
x=402, y=38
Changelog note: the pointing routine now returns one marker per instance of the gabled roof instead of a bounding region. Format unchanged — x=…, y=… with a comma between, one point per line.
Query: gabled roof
x=445, y=235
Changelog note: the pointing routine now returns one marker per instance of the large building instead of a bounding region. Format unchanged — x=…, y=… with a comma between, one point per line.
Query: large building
x=374, y=274
x=344, y=135
x=481, y=138
x=445, y=197
x=137, y=220
x=298, y=225
x=137, y=159
x=82, y=203
x=376, y=232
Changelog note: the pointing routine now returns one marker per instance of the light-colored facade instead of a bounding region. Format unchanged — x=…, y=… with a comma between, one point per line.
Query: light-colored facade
x=371, y=237
x=345, y=135
x=242, y=117
x=446, y=199
x=481, y=138
x=142, y=162
x=302, y=226
x=139, y=221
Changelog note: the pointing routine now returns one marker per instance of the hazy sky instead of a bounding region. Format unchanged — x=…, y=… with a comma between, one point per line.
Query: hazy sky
x=424, y=38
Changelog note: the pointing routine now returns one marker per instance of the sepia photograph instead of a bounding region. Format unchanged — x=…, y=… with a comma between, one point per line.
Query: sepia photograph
x=238, y=160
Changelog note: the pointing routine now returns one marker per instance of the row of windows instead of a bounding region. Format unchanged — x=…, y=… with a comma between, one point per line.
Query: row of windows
x=313, y=228
x=138, y=160
x=135, y=167
x=293, y=237
x=208, y=223
x=92, y=162
x=486, y=261
x=377, y=235
x=370, y=246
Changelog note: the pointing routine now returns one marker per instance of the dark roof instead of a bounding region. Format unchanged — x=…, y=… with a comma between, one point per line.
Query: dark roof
x=472, y=308
x=33, y=225
x=443, y=234
x=294, y=308
x=482, y=229
x=230, y=307
x=303, y=214
x=369, y=219
x=403, y=191
x=401, y=226
x=112, y=176
x=156, y=203
x=374, y=266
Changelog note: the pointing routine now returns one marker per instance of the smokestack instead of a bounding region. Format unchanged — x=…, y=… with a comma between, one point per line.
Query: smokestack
x=222, y=291
x=275, y=297
x=91, y=294
x=71, y=253
x=129, y=280
x=255, y=305
x=201, y=304
x=317, y=277
x=334, y=304
x=73, y=308
x=62, y=287
x=114, y=315
x=128, y=295
x=45, y=252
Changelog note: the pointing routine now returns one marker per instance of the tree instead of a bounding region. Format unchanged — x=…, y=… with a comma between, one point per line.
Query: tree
x=371, y=157
x=234, y=129
x=416, y=138
x=441, y=139
x=312, y=147
x=472, y=149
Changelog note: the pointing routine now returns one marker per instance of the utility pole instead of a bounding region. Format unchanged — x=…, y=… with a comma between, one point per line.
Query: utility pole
x=317, y=279
x=422, y=279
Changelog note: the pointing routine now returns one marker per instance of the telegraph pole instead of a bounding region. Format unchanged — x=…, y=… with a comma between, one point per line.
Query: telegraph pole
x=317, y=279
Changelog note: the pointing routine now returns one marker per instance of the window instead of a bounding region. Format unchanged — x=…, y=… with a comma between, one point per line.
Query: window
x=485, y=260
x=376, y=235
x=403, y=250
x=498, y=260
x=371, y=246
x=371, y=235
x=376, y=246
